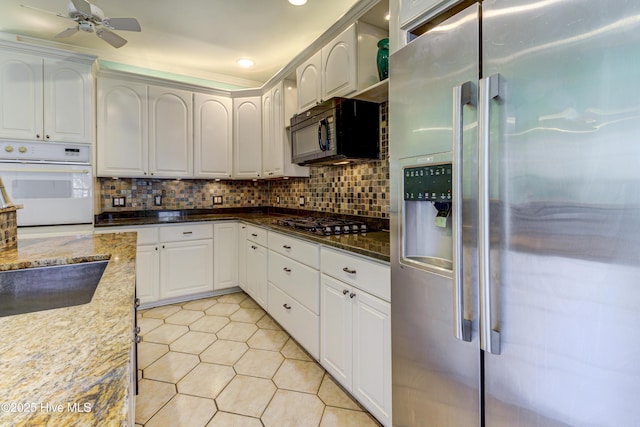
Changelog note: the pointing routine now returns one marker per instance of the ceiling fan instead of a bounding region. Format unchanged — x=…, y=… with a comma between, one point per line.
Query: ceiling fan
x=90, y=18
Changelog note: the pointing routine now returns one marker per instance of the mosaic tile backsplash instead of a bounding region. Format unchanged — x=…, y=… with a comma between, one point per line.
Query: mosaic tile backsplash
x=356, y=189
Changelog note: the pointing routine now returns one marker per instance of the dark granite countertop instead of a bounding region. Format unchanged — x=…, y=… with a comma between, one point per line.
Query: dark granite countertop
x=374, y=244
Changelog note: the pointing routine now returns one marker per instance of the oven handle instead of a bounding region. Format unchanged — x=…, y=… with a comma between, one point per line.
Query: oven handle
x=84, y=171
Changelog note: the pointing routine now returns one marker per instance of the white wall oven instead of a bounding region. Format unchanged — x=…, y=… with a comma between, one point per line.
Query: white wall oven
x=53, y=181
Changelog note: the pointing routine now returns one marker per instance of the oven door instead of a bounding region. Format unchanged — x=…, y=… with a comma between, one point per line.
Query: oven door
x=51, y=194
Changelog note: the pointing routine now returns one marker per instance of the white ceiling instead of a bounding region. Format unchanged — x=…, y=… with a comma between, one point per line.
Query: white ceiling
x=199, y=38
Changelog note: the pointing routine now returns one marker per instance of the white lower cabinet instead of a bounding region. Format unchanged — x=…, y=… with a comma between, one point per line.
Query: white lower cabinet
x=355, y=333
x=257, y=272
x=225, y=255
x=148, y=273
x=186, y=268
x=242, y=256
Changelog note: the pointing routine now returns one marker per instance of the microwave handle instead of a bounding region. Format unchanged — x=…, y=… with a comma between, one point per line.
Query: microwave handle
x=323, y=146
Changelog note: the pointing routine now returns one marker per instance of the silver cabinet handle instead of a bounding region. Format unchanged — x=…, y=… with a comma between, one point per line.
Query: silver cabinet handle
x=461, y=97
x=345, y=291
x=187, y=232
x=489, y=337
x=287, y=306
x=137, y=339
x=137, y=329
x=352, y=295
x=254, y=247
x=286, y=247
x=136, y=302
x=254, y=234
x=288, y=270
x=348, y=270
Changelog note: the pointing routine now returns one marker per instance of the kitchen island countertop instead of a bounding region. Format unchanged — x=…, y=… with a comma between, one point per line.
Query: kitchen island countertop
x=70, y=366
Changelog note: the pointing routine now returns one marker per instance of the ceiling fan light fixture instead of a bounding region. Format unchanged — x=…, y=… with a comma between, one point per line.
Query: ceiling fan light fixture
x=245, y=63
x=297, y=2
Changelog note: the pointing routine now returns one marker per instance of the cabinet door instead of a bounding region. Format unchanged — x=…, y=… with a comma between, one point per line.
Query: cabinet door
x=147, y=273
x=267, y=134
x=170, y=133
x=247, y=135
x=309, y=82
x=339, y=72
x=20, y=96
x=213, y=118
x=276, y=147
x=336, y=329
x=372, y=354
x=225, y=255
x=186, y=268
x=122, y=128
x=67, y=101
x=242, y=257
x=257, y=272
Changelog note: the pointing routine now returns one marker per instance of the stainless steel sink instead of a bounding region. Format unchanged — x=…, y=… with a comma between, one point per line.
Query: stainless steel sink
x=44, y=288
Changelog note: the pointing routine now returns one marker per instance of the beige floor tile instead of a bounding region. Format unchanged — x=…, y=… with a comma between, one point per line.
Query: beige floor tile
x=237, y=331
x=161, y=312
x=267, y=322
x=171, y=367
x=225, y=419
x=338, y=417
x=209, y=324
x=166, y=334
x=193, y=342
x=236, y=297
x=149, y=352
x=249, y=315
x=249, y=303
x=200, y=304
x=259, y=363
x=224, y=352
x=298, y=375
x=152, y=395
x=148, y=324
x=184, y=317
x=292, y=350
x=206, y=380
x=246, y=396
x=268, y=339
x=182, y=410
x=293, y=409
x=332, y=395
x=223, y=309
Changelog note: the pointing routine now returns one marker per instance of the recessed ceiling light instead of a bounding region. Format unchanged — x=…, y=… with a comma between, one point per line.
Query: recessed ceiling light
x=245, y=63
x=297, y=2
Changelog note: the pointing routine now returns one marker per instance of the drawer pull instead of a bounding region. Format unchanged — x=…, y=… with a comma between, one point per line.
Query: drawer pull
x=187, y=232
x=348, y=270
x=136, y=302
x=345, y=291
x=137, y=330
x=287, y=306
x=254, y=234
x=254, y=247
x=137, y=339
x=288, y=270
x=286, y=247
x=352, y=295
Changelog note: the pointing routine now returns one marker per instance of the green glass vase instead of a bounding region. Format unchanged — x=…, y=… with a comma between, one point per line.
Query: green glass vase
x=383, y=58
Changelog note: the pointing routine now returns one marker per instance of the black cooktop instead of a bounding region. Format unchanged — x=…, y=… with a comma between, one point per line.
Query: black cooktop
x=325, y=226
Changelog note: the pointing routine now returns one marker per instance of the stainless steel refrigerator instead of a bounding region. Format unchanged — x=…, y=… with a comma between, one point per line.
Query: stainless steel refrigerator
x=515, y=217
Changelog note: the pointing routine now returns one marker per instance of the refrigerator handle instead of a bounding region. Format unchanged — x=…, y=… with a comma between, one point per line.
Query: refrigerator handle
x=489, y=338
x=461, y=326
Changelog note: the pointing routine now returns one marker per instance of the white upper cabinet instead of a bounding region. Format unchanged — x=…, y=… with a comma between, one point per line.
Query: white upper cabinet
x=247, y=137
x=122, y=139
x=170, y=132
x=345, y=65
x=48, y=99
x=413, y=12
x=213, y=136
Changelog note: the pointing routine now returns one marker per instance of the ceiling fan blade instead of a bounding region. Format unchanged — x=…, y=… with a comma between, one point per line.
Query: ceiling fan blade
x=83, y=7
x=45, y=11
x=67, y=33
x=126, y=24
x=110, y=37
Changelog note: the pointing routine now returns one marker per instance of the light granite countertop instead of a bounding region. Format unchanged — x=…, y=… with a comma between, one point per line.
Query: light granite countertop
x=70, y=366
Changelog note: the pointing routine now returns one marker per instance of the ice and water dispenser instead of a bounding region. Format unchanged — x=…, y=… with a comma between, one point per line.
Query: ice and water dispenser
x=426, y=212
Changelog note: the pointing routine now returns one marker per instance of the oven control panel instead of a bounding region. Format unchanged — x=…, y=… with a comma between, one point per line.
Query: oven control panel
x=430, y=183
x=29, y=151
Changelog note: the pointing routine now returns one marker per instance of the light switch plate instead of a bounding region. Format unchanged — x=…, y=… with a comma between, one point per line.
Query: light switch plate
x=301, y=201
x=118, y=202
x=278, y=199
x=217, y=200
x=157, y=200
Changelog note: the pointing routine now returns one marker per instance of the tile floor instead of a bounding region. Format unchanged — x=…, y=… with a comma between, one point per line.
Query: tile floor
x=223, y=361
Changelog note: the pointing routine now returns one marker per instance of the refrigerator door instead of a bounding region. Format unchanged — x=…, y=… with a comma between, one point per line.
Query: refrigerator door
x=564, y=212
x=436, y=377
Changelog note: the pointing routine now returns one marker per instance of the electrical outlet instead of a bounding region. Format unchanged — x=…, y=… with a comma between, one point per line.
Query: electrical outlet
x=118, y=202
x=217, y=200
x=278, y=199
x=301, y=201
x=157, y=200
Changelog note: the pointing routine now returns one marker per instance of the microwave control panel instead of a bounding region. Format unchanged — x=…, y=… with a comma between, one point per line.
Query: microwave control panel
x=430, y=183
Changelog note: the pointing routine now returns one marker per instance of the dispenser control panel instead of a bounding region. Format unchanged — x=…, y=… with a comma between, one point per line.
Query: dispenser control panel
x=428, y=183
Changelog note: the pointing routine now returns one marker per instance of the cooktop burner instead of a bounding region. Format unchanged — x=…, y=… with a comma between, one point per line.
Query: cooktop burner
x=324, y=226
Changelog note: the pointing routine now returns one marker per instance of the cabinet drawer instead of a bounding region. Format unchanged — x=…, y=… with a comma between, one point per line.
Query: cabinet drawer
x=370, y=276
x=297, y=280
x=177, y=233
x=305, y=252
x=257, y=234
x=300, y=323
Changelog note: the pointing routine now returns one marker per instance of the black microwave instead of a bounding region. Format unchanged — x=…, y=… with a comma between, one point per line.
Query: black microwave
x=337, y=131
